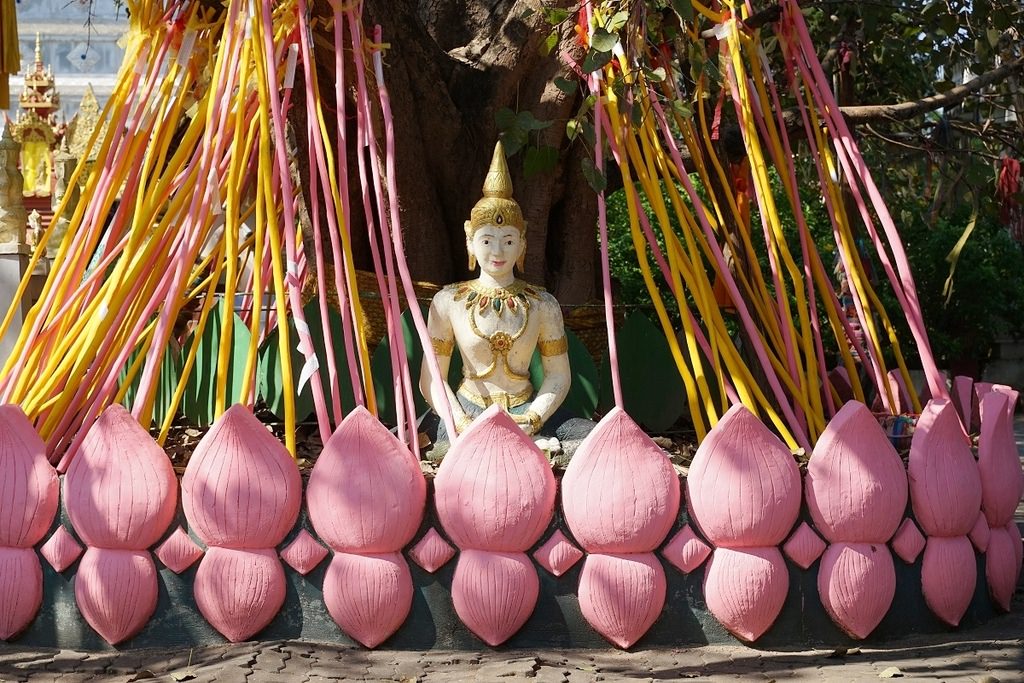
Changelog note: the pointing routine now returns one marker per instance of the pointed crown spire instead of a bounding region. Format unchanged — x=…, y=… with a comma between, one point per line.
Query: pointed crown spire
x=496, y=207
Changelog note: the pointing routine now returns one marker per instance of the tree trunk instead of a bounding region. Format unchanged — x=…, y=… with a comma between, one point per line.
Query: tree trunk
x=449, y=68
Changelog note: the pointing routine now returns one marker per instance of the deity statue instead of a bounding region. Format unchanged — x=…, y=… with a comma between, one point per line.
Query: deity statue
x=497, y=322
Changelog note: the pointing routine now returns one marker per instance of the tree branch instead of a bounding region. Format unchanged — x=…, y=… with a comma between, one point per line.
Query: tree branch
x=950, y=98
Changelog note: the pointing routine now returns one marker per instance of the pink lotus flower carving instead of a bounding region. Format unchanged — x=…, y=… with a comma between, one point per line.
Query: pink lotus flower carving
x=241, y=488
x=945, y=488
x=30, y=497
x=744, y=494
x=620, y=493
x=120, y=493
x=432, y=552
x=856, y=495
x=494, y=489
x=1002, y=483
x=620, y=496
x=366, y=497
x=856, y=485
x=241, y=494
x=179, y=551
x=558, y=554
x=743, y=489
x=495, y=495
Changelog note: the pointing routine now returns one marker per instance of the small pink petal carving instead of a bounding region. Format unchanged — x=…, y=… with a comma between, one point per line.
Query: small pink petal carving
x=1002, y=566
x=432, y=552
x=1011, y=398
x=116, y=591
x=241, y=488
x=494, y=489
x=857, y=582
x=945, y=486
x=686, y=551
x=743, y=488
x=745, y=589
x=948, y=576
x=898, y=387
x=621, y=596
x=120, y=491
x=369, y=596
x=179, y=551
x=61, y=550
x=21, y=590
x=980, y=533
x=963, y=398
x=620, y=493
x=494, y=593
x=558, y=554
x=29, y=485
x=366, y=493
x=239, y=591
x=908, y=541
x=1002, y=481
x=856, y=485
x=804, y=546
x=304, y=553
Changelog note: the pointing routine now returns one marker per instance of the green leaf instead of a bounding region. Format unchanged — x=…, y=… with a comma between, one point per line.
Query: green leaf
x=168, y=376
x=527, y=13
x=555, y=15
x=572, y=129
x=271, y=384
x=652, y=389
x=595, y=60
x=993, y=36
x=514, y=140
x=657, y=75
x=682, y=109
x=684, y=9
x=617, y=21
x=583, y=394
x=539, y=160
x=549, y=44
x=603, y=40
x=588, y=133
x=198, y=401
x=380, y=364
x=525, y=120
x=504, y=118
x=566, y=85
x=593, y=175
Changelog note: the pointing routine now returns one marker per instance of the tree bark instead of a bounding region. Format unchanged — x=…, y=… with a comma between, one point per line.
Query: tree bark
x=450, y=67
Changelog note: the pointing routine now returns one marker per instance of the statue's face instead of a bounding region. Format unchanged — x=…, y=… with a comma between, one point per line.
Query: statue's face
x=497, y=249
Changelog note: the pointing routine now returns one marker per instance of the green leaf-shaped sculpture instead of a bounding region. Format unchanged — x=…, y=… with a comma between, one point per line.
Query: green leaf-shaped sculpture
x=652, y=389
x=271, y=386
x=198, y=402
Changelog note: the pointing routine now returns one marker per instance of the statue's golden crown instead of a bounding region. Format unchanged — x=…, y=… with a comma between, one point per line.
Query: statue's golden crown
x=496, y=207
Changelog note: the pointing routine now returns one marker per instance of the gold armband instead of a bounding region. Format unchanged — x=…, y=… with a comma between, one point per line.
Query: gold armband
x=442, y=347
x=553, y=347
x=534, y=419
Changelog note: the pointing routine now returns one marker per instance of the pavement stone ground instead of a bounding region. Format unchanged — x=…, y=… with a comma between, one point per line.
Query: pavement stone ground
x=989, y=653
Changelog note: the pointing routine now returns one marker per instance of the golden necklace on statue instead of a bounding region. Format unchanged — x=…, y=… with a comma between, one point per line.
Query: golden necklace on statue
x=499, y=299
x=480, y=300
